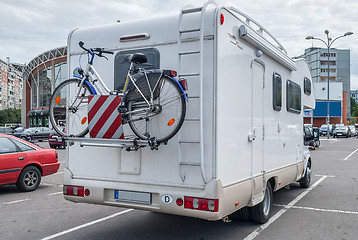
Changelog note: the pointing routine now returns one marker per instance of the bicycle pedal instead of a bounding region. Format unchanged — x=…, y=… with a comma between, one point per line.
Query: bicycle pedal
x=122, y=109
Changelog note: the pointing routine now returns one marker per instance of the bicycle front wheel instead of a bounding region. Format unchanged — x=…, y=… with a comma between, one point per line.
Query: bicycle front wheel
x=68, y=108
x=165, y=117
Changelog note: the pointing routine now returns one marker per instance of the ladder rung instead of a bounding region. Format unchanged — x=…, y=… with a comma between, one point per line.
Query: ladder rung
x=189, y=141
x=190, y=163
x=189, y=30
x=192, y=10
x=189, y=52
x=192, y=119
x=189, y=74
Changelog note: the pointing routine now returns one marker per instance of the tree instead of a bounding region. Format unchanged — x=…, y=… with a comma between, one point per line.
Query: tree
x=10, y=116
x=354, y=108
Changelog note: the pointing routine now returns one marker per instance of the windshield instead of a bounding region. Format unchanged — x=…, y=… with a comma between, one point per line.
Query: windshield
x=341, y=128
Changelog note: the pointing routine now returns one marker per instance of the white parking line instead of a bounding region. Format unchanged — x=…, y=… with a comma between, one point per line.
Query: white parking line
x=320, y=209
x=258, y=230
x=17, y=201
x=56, y=193
x=351, y=154
x=86, y=224
x=57, y=173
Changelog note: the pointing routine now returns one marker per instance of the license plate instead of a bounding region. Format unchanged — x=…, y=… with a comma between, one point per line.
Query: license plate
x=339, y=133
x=133, y=197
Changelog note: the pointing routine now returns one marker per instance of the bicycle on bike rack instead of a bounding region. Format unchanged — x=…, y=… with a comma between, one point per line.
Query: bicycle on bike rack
x=153, y=101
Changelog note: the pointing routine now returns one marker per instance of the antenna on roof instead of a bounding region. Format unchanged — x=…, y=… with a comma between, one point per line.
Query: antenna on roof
x=119, y=18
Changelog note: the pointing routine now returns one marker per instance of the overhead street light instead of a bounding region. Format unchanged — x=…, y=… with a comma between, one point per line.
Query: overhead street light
x=328, y=44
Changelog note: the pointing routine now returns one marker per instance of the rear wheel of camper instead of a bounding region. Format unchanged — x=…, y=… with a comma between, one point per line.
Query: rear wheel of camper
x=261, y=212
x=165, y=119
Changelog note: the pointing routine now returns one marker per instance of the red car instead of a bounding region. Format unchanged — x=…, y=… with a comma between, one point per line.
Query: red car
x=24, y=163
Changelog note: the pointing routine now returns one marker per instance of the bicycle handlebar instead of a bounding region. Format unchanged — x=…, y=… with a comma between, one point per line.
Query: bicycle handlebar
x=97, y=51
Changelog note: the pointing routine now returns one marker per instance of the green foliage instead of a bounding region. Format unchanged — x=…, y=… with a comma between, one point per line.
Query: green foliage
x=10, y=116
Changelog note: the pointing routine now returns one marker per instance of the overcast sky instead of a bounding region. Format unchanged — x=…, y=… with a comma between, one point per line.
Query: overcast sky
x=29, y=28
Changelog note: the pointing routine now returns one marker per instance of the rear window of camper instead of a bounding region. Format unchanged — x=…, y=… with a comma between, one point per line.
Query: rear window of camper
x=293, y=97
x=277, y=92
x=121, y=64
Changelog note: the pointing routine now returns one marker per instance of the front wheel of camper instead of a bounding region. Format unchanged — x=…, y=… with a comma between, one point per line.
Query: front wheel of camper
x=306, y=180
x=261, y=212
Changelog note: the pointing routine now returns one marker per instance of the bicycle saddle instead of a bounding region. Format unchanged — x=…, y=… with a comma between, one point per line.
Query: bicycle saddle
x=139, y=58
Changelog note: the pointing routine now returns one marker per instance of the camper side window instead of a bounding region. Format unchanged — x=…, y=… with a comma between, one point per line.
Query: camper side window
x=293, y=97
x=307, y=86
x=121, y=64
x=277, y=92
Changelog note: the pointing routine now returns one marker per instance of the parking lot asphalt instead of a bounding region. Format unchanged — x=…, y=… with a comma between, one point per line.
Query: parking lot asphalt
x=326, y=210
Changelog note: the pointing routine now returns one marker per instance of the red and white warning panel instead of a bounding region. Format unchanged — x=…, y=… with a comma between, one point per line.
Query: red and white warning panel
x=104, y=120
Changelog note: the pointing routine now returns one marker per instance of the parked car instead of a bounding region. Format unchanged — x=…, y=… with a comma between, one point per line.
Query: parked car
x=353, y=130
x=342, y=131
x=24, y=163
x=6, y=130
x=316, y=140
x=34, y=133
x=308, y=136
x=19, y=129
x=55, y=140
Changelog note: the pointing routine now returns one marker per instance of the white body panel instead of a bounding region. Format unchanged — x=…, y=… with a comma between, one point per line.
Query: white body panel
x=237, y=105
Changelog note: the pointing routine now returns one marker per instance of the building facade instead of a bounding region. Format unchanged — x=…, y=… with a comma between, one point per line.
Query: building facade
x=354, y=95
x=41, y=76
x=339, y=67
x=11, y=85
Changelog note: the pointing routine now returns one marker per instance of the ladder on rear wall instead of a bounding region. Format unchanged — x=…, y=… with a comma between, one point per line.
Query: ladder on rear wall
x=186, y=10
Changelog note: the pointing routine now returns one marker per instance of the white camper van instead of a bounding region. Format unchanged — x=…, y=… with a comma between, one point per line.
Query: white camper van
x=242, y=137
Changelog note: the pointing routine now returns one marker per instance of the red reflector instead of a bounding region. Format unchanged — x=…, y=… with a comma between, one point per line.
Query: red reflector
x=211, y=205
x=77, y=191
x=173, y=73
x=87, y=192
x=184, y=84
x=180, y=202
x=222, y=19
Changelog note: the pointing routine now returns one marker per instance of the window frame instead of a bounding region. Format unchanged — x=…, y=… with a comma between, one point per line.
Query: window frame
x=307, y=80
x=276, y=103
x=289, y=106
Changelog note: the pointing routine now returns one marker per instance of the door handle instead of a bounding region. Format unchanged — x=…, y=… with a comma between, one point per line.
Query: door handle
x=21, y=158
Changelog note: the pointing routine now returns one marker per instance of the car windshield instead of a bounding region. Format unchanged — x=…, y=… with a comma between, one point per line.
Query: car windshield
x=324, y=126
x=341, y=128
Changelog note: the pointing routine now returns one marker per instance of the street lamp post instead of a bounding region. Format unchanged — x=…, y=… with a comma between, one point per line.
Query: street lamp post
x=328, y=43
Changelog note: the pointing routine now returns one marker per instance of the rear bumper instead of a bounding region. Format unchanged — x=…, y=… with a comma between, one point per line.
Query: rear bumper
x=51, y=168
x=162, y=198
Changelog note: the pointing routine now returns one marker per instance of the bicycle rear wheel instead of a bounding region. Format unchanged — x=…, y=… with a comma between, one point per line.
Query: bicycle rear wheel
x=68, y=110
x=165, y=118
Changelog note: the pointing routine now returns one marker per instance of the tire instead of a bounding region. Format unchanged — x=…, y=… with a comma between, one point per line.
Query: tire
x=29, y=179
x=163, y=122
x=24, y=138
x=318, y=143
x=305, y=182
x=77, y=125
x=261, y=213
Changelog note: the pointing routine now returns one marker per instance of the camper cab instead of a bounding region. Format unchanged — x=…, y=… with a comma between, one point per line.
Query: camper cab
x=242, y=137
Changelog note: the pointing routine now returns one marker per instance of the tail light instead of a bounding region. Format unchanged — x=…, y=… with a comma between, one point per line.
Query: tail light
x=171, y=73
x=203, y=204
x=70, y=190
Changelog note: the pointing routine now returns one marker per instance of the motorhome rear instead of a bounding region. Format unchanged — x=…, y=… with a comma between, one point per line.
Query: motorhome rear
x=243, y=131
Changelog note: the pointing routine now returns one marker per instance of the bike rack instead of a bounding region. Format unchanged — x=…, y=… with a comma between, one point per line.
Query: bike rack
x=130, y=144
